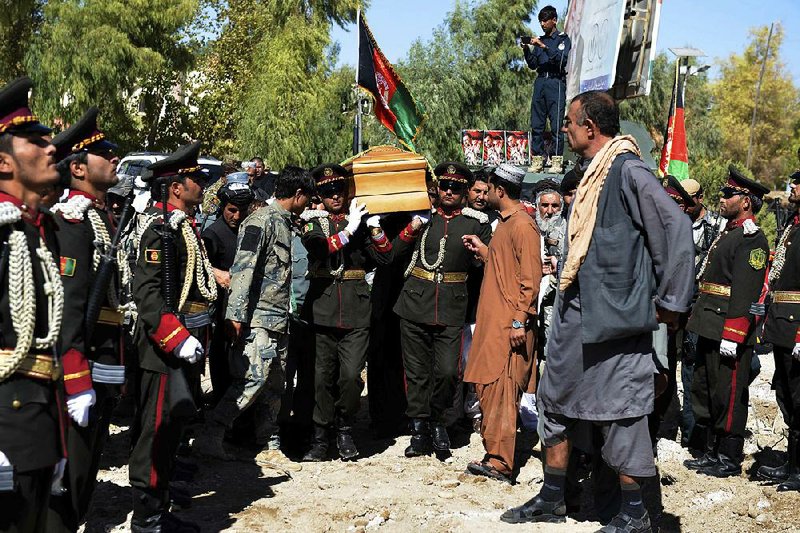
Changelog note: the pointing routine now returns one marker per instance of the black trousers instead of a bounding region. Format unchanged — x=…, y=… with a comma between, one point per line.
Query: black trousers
x=84, y=449
x=299, y=398
x=23, y=511
x=218, y=357
x=430, y=356
x=385, y=374
x=720, y=388
x=786, y=383
x=339, y=361
x=159, y=433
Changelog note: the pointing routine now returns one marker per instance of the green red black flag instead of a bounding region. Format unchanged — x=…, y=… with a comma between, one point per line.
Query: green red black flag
x=674, y=154
x=395, y=108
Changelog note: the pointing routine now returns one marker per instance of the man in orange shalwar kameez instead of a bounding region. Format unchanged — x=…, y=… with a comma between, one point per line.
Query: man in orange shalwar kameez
x=502, y=356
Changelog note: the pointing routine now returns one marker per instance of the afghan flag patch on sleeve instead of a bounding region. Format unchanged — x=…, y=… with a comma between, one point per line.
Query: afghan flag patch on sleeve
x=67, y=266
x=152, y=255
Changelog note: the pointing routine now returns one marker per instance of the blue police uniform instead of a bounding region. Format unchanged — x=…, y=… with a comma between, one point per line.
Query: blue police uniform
x=549, y=89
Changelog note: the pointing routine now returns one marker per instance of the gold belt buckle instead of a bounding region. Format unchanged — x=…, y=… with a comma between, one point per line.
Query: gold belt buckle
x=438, y=276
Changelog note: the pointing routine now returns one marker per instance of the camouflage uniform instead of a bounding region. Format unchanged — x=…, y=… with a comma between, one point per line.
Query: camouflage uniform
x=260, y=299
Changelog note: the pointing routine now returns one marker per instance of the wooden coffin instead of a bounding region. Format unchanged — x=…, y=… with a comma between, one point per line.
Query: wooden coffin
x=389, y=180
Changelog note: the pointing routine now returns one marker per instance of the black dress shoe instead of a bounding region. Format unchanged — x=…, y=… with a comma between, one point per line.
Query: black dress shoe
x=162, y=523
x=536, y=509
x=347, y=448
x=775, y=474
x=441, y=440
x=421, y=443
x=725, y=467
x=623, y=523
x=705, y=461
x=792, y=483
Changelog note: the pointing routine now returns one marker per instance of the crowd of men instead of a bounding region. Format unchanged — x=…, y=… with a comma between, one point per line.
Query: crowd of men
x=485, y=313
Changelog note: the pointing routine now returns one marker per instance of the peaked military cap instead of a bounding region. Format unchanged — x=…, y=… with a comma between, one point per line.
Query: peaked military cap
x=453, y=170
x=738, y=181
x=83, y=136
x=182, y=162
x=327, y=172
x=15, y=115
x=677, y=192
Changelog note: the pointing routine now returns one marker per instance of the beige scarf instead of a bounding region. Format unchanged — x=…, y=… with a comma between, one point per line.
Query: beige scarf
x=584, y=212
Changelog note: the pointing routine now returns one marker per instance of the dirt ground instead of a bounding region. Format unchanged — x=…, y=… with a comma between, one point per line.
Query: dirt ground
x=384, y=491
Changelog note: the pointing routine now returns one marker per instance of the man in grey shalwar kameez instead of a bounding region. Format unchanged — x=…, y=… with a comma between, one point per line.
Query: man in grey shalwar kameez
x=629, y=247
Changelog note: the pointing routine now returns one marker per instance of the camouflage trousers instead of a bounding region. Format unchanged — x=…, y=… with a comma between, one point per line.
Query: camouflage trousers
x=258, y=378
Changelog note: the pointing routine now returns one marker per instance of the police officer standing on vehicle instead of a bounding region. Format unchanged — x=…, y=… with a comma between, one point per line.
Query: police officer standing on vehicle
x=86, y=158
x=341, y=251
x=31, y=408
x=173, y=284
x=433, y=304
x=782, y=329
x=547, y=55
x=731, y=280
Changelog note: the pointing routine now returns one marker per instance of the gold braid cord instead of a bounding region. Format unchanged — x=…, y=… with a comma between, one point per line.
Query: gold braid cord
x=780, y=257
x=419, y=253
x=22, y=293
x=198, y=268
x=326, y=229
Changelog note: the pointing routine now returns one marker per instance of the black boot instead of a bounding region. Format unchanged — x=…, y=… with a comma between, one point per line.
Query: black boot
x=420, y=438
x=344, y=440
x=319, y=445
x=150, y=515
x=792, y=482
x=441, y=440
x=780, y=473
x=729, y=458
x=709, y=457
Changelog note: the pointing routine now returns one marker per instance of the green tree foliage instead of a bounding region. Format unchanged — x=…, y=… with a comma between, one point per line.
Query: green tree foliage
x=19, y=20
x=778, y=117
x=126, y=56
x=471, y=74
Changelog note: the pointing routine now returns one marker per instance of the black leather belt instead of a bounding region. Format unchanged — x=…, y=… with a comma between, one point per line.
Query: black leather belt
x=552, y=76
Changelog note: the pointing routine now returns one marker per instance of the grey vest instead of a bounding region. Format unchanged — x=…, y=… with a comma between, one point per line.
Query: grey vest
x=616, y=280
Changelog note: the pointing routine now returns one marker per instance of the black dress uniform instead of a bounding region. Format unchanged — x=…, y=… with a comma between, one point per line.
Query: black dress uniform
x=731, y=281
x=166, y=395
x=782, y=329
x=84, y=230
x=30, y=389
x=432, y=307
x=338, y=307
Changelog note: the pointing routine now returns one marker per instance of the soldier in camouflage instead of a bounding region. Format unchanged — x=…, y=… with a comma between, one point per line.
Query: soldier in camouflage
x=257, y=317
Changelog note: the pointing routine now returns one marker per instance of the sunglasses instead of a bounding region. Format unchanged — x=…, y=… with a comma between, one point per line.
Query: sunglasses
x=451, y=185
x=730, y=192
x=332, y=189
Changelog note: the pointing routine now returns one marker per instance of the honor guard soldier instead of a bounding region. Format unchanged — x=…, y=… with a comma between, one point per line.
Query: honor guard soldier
x=87, y=162
x=782, y=329
x=31, y=307
x=341, y=250
x=257, y=317
x=433, y=304
x=731, y=280
x=173, y=285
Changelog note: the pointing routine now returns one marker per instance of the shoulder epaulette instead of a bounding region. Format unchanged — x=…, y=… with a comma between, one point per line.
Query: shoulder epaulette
x=9, y=213
x=311, y=214
x=73, y=209
x=750, y=227
x=480, y=216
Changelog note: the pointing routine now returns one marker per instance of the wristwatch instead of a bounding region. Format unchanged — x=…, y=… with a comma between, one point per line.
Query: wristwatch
x=516, y=324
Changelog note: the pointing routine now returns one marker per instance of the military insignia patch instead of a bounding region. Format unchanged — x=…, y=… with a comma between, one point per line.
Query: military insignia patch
x=758, y=259
x=328, y=171
x=308, y=227
x=451, y=169
x=68, y=266
x=152, y=255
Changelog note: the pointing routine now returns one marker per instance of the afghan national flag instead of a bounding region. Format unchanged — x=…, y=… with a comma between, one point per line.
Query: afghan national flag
x=674, y=155
x=395, y=108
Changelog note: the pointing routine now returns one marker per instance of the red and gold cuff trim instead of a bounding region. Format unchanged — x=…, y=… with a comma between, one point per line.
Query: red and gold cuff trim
x=409, y=234
x=336, y=243
x=77, y=376
x=170, y=332
x=735, y=329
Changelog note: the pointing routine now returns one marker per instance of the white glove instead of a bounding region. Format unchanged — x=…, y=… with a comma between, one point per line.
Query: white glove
x=4, y=460
x=796, y=352
x=423, y=216
x=727, y=348
x=78, y=406
x=190, y=350
x=56, y=487
x=374, y=221
x=357, y=212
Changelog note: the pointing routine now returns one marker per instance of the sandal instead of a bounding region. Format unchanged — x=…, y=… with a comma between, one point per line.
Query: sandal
x=480, y=468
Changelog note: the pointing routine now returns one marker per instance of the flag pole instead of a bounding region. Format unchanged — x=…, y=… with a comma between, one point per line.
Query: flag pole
x=357, y=124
